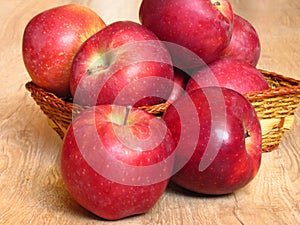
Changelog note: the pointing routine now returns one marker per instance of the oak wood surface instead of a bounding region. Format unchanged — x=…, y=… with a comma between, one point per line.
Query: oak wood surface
x=31, y=189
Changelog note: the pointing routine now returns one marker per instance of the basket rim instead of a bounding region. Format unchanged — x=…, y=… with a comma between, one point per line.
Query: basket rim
x=50, y=97
x=274, y=92
x=279, y=76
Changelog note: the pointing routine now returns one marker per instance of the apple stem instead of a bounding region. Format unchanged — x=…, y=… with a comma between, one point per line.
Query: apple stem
x=128, y=108
x=247, y=134
x=217, y=3
x=96, y=70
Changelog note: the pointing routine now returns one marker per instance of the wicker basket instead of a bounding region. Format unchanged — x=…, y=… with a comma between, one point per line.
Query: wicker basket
x=275, y=107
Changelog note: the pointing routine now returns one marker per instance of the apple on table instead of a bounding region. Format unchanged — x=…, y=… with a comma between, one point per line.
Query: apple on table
x=116, y=161
x=226, y=153
x=50, y=41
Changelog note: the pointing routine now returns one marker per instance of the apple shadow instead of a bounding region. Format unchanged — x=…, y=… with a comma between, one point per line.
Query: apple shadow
x=56, y=198
x=173, y=188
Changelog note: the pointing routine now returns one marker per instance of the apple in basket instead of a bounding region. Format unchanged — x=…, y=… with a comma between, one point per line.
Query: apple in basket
x=231, y=73
x=50, y=41
x=124, y=64
x=116, y=161
x=244, y=43
x=202, y=26
x=220, y=145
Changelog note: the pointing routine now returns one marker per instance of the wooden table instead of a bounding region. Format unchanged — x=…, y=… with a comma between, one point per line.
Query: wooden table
x=31, y=189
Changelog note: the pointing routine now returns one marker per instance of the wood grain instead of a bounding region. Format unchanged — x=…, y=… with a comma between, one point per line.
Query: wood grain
x=31, y=188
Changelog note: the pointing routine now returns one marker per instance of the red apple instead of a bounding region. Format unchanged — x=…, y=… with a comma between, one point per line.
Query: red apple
x=244, y=43
x=231, y=73
x=116, y=161
x=202, y=26
x=50, y=41
x=227, y=152
x=124, y=64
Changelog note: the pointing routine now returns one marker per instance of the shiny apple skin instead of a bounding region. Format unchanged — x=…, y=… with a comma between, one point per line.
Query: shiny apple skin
x=50, y=41
x=227, y=155
x=103, y=162
x=198, y=25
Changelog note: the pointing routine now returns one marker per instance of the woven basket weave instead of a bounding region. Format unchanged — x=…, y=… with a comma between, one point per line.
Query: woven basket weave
x=275, y=107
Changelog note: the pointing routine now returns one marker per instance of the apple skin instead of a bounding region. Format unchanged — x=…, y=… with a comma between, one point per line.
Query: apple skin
x=223, y=160
x=230, y=73
x=244, y=43
x=50, y=41
x=203, y=26
x=98, y=145
x=124, y=64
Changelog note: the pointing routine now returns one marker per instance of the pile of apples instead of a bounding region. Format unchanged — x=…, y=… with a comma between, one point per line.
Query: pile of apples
x=198, y=55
